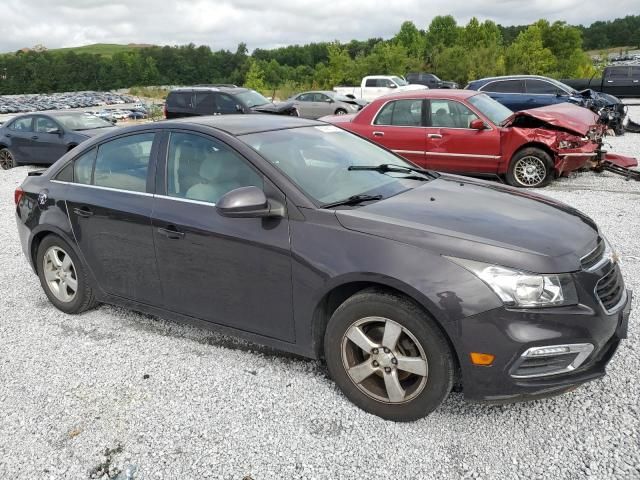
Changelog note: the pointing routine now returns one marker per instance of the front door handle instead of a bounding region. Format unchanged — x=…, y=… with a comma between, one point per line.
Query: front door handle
x=171, y=232
x=34, y=137
x=378, y=134
x=8, y=135
x=83, y=212
x=434, y=135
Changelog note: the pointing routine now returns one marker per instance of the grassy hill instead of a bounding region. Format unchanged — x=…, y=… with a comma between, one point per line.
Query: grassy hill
x=104, y=49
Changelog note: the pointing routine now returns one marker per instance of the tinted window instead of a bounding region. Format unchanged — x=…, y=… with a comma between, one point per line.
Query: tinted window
x=179, y=99
x=402, y=113
x=123, y=163
x=305, y=97
x=66, y=174
x=205, y=102
x=541, y=87
x=22, y=124
x=83, y=167
x=45, y=125
x=618, y=72
x=371, y=82
x=450, y=114
x=204, y=169
x=226, y=104
x=504, y=86
x=635, y=73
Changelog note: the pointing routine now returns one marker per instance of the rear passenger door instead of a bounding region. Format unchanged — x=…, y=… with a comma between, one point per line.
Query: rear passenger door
x=399, y=126
x=109, y=203
x=510, y=93
x=617, y=81
x=19, y=136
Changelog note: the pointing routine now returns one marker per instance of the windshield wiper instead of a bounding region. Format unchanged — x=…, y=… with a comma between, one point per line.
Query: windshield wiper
x=353, y=200
x=387, y=167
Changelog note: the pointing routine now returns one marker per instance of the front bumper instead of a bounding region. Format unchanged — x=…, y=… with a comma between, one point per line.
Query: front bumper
x=508, y=334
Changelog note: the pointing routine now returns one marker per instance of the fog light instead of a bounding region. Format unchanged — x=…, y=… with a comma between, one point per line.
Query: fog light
x=543, y=351
x=484, y=359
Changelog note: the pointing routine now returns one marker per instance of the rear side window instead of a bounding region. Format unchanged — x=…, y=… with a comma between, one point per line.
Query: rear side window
x=406, y=113
x=205, y=103
x=371, y=82
x=179, y=99
x=618, y=73
x=83, y=167
x=22, y=124
x=123, y=163
x=540, y=87
x=66, y=174
x=635, y=73
x=504, y=86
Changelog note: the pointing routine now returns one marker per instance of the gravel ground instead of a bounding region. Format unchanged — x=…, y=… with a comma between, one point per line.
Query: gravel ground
x=115, y=391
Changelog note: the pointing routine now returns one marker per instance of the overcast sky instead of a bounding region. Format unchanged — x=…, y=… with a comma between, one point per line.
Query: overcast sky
x=264, y=23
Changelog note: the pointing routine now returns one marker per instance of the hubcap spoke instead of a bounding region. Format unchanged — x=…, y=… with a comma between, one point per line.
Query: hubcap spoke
x=66, y=263
x=53, y=258
x=415, y=365
x=392, y=332
x=357, y=336
x=60, y=274
x=50, y=275
x=362, y=371
x=72, y=283
x=395, y=392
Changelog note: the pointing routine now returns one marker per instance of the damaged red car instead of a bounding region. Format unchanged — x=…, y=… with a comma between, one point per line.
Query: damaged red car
x=467, y=132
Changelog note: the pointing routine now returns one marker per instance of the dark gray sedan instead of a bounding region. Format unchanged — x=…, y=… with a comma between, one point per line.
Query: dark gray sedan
x=320, y=103
x=43, y=138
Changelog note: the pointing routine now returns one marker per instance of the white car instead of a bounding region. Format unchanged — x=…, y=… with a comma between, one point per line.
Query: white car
x=374, y=86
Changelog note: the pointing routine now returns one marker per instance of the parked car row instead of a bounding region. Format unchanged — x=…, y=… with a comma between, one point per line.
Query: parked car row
x=59, y=101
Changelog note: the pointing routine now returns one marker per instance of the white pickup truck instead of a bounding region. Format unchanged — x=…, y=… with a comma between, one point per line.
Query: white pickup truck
x=374, y=86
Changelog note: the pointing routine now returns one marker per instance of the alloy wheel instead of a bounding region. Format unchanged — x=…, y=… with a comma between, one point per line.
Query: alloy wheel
x=60, y=274
x=530, y=171
x=6, y=159
x=384, y=360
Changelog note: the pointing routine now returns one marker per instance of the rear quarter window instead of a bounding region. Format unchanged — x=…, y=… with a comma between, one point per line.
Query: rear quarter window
x=179, y=100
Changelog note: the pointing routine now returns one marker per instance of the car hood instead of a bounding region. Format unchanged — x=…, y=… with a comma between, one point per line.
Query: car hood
x=338, y=118
x=277, y=108
x=94, y=131
x=569, y=117
x=482, y=221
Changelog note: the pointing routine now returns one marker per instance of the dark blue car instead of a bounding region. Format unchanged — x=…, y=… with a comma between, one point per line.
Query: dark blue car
x=522, y=92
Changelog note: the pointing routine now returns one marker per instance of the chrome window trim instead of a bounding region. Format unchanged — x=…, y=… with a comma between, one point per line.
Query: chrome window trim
x=185, y=200
x=583, y=350
x=473, y=155
x=99, y=187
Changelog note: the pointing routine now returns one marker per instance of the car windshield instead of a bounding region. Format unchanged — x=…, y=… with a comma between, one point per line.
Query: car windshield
x=82, y=121
x=494, y=111
x=563, y=86
x=400, y=81
x=251, y=98
x=317, y=160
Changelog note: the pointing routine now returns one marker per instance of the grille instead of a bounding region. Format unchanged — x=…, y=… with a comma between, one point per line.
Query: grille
x=593, y=257
x=610, y=288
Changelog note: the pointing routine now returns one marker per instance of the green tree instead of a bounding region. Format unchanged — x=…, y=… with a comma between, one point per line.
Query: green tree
x=528, y=55
x=255, y=77
x=412, y=39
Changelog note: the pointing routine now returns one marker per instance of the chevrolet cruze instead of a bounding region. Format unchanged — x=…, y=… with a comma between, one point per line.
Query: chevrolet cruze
x=299, y=235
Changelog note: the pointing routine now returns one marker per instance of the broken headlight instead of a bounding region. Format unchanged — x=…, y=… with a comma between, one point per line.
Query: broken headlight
x=523, y=289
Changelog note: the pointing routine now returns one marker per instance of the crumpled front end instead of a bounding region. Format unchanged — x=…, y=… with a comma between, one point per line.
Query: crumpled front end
x=612, y=113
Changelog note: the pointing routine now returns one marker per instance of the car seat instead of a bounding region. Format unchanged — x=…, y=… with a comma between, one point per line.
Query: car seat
x=220, y=173
x=442, y=119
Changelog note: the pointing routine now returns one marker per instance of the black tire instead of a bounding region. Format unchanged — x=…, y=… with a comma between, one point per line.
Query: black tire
x=7, y=160
x=83, y=299
x=440, y=366
x=340, y=111
x=540, y=164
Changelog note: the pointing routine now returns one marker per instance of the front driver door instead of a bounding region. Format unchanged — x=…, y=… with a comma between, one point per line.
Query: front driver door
x=229, y=271
x=454, y=147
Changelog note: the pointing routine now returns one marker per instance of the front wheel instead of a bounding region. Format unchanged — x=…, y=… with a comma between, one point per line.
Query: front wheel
x=6, y=159
x=388, y=357
x=530, y=167
x=341, y=111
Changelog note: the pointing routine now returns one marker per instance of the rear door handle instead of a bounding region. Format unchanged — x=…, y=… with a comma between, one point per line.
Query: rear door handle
x=8, y=135
x=171, y=232
x=378, y=134
x=83, y=212
x=434, y=135
x=35, y=137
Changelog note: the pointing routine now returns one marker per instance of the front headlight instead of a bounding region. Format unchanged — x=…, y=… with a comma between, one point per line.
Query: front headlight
x=353, y=106
x=523, y=289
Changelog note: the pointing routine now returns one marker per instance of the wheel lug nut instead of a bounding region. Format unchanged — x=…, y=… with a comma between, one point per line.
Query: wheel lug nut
x=375, y=363
x=387, y=369
x=374, y=351
x=394, y=361
x=386, y=350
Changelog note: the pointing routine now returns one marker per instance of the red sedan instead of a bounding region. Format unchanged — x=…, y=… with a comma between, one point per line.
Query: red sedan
x=464, y=131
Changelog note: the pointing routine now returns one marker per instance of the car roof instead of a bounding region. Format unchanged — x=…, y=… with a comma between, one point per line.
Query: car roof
x=446, y=93
x=245, y=124
x=511, y=77
x=210, y=89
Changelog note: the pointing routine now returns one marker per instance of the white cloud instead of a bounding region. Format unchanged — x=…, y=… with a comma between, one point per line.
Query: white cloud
x=260, y=24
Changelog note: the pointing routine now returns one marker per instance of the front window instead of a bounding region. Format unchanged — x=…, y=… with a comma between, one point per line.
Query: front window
x=399, y=81
x=317, y=160
x=450, y=114
x=82, y=121
x=494, y=111
x=251, y=98
x=45, y=125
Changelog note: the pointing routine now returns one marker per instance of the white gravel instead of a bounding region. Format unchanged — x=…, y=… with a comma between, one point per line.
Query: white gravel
x=75, y=400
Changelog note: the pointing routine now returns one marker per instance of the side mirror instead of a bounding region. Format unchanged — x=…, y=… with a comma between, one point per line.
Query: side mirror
x=54, y=131
x=477, y=124
x=248, y=202
x=393, y=85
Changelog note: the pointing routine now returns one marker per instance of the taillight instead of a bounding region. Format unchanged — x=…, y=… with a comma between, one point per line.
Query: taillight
x=164, y=110
x=17, y=195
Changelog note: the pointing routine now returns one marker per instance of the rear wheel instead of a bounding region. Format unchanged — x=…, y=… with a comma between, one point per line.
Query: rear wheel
x=341, y=111
x=530, y=167
x=6, y=159
x=63, y=277
x=387, y=356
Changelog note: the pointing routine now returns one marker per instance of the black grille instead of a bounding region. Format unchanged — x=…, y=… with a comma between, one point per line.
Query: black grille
x=594, y=256
x=610, y=288
x=544, y=365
